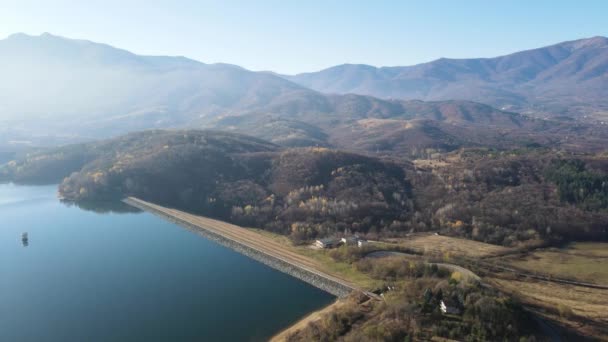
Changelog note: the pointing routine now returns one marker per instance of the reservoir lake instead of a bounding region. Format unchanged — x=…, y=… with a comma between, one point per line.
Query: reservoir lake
x=111, y=273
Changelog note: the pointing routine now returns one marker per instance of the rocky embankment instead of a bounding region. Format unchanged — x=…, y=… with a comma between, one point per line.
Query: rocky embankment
x=313, y=277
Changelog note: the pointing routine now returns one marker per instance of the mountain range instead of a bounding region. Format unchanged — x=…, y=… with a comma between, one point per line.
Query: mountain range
x=569, y=78
x=55, y=80
x=509, y=151
x=56, y=90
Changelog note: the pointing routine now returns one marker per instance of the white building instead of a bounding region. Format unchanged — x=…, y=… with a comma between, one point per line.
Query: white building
x=326, y=243
x=449, y=309
x=350, y=240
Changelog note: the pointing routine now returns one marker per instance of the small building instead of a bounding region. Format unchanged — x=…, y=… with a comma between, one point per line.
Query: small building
x=326, y=243
x=350, y=240
x=448, y=308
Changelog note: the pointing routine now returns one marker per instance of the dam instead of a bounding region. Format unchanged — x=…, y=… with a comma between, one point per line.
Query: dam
x=256, y=246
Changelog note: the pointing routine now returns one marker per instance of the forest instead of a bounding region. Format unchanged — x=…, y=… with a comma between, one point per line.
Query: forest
x=504, y=197
x=411, y=307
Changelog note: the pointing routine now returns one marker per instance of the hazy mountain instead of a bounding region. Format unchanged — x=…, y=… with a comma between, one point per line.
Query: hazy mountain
x=97, y=89
x=569, y=77
x=56, y=90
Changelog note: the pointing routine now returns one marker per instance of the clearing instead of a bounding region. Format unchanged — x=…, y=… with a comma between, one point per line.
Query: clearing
x=580, y=308
x=582, y=261
x=445, y=246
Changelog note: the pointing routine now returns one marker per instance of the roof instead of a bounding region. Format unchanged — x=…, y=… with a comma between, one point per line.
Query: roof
x=351, y=238
x=326, y=241
x=448, y=302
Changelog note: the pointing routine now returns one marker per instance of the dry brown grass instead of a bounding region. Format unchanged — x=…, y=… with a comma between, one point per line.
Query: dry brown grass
x=587, y=304
x=446, y=246
x=597, y=249
x=581, y=261
x=430, y=163
x=313, y=317
x=342, y=269
x=373, y=123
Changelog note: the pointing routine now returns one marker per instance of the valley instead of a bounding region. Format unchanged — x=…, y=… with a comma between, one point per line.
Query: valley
x=471, y=194
x=455, y=208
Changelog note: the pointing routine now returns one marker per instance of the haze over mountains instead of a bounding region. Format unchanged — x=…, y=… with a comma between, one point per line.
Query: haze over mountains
x=56, y=90
x=565, y=78
x=58, y=80
x=510, y=152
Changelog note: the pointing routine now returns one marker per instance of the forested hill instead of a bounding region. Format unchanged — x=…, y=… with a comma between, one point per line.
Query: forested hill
x=160, y=148
x=501, y=197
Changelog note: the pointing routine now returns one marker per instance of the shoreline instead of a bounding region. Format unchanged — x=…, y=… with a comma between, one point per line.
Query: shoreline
x=256, y=247
x=304, y=321
x=232, y=236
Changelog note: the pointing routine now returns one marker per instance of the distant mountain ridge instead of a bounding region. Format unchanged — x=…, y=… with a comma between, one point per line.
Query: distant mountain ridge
x=569, y=77
x=56, y=90
x=56, y=80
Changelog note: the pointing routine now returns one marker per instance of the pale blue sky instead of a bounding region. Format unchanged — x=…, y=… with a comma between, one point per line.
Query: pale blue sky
x=309, y=35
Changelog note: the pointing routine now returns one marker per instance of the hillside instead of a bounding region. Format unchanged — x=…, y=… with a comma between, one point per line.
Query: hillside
x=566, y=78
x=500, y=197
x=51, y=82
x=416, y=128
x=299, y=192
x=54, y=164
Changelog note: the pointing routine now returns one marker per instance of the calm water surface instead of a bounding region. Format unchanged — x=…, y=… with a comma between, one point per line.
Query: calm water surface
x=95, y=276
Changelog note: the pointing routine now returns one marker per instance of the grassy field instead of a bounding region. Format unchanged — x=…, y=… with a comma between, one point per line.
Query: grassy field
x=580, y=308
x=430, y=163
x=431, y=244
x=597, y=249
x=342, y=269
x=581, y=261
x=329, y=265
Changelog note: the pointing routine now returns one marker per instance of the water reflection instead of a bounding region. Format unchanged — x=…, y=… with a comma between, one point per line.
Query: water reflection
x=103, y=207
x=84, y=278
